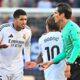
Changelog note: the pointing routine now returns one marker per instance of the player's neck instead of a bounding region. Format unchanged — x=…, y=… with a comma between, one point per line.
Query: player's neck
x=16, y=28
x=64, y=22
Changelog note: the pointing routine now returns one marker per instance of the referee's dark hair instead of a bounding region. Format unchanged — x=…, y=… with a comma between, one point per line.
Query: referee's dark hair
x=65, y=8
x=51, y=24
x=19, y=12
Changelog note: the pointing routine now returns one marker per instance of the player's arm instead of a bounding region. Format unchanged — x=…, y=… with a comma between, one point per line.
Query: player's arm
x=2, y=45
x=27, y=53
x=36, y=62
x=57, y=59
x=27, y=49
x=75, y=37
x=39, y=59
x=1, y=38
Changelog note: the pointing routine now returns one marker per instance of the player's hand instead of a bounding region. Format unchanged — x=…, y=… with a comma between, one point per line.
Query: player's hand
x=45, y=65
x=4, y=46
x=67, y=71
x=30, y=64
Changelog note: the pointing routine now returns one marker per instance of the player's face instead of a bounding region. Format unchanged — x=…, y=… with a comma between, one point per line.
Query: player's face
x=21, y=21
x=57, y=16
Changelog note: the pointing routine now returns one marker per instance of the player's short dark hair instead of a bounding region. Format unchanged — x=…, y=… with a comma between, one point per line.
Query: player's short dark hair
x=19, y=12
x=65, y=8
x=51, y=24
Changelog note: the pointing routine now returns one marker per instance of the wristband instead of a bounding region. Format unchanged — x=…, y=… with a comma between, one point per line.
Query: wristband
x=68, y=63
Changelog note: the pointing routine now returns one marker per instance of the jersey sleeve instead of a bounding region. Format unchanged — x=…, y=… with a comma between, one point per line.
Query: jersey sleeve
x=2, y=31
x=59, y=57
x=27, y=49
x=62, y=54
x=1, y=35
x=75, y=37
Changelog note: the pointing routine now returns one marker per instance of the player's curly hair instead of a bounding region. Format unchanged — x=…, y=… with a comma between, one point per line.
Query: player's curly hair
x=19, y=12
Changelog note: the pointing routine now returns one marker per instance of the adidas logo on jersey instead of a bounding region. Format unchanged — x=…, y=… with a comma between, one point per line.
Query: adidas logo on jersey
x=11, y=35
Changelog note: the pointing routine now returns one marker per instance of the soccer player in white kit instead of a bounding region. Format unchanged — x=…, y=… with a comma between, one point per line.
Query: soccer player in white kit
x=13, y=38
x=50, y=45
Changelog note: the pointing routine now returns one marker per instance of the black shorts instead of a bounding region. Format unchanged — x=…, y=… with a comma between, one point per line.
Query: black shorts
x=75, y=71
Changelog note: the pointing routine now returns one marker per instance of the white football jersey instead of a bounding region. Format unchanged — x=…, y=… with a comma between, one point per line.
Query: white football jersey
x=50, y=45
x=11, y=58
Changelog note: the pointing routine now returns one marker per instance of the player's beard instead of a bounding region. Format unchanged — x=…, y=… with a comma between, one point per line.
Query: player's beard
x=18, y=28
x=23, y=26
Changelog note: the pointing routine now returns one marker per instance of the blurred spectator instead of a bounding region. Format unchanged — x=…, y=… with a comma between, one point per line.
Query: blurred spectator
x=10, y=3
x=44, y=4
x=73, y=19
x=34, y=29
x=71, y=2
x=1, y=3
x=76, y=4
x=54, y=3
x=65, y=1
x=36, y=2
x=5, y=19
x=61, y=1
x=28, y=3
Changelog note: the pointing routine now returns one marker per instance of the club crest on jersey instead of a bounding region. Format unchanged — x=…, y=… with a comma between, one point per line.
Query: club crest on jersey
x=24, y=36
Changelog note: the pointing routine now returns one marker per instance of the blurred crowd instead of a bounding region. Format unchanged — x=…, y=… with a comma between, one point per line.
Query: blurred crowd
x=37, y=3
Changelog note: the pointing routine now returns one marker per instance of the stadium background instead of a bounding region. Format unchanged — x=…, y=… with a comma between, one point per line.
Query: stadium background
x=36, y=21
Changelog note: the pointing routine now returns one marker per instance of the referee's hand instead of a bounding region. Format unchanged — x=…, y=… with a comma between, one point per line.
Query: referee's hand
x=45, y=65
x=67, y=71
